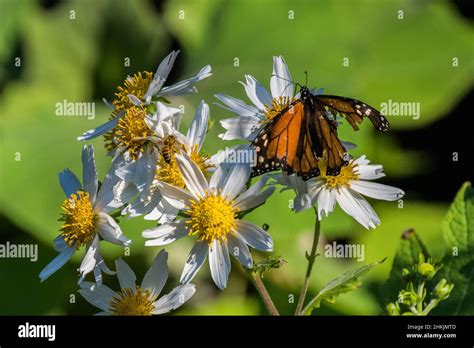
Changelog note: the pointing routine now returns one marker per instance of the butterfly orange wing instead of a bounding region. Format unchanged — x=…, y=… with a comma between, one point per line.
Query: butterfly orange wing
x=295, y=140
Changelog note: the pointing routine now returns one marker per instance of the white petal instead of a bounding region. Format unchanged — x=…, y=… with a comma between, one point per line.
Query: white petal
x=237, y=106
x=166, y=234
x=134, y=100
x=90, y=259
x=377, y=191
x=256, y=92
x=254, y=236
x=59, y=261
x=163, y=212
x=198, y=129
x=239, y=249
x=253, y=190
x=186, y=86
x=362, y=160
x=236, y=179
x=161, y=75
x=94, y=133
x=245, y=128
x=165, y=112
x=110, y=230
x=156, y=276
x=100, y=267
x=145, y=171
x=125, y=275
x=217, y=178
x=219, y=262
x=175, y=196
x=370, y=171
x=69, y=182
x=253, y=197
x=125, y=170
x=195, y=180
x=281, y=83
x=124, y=192
x=89, y=172
x=105, y=200
x=356, y=206
x=175, y=299
x=326, y=202
x=99, y=296
x=195, y=259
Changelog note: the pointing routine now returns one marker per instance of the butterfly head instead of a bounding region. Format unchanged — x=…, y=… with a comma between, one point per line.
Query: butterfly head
x=305, y=93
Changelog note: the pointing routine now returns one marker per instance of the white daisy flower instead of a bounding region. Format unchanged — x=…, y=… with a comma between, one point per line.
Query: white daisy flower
x=150, y=202
x=302, y=199
x=134, y=300
x=140, y=90
x=347, y=189
x=266, y=105
x=85, y=219
x=211, y=214
x=136, y=160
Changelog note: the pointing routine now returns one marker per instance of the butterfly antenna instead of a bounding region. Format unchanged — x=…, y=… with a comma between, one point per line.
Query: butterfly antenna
x=306, y=74
x=289, y=82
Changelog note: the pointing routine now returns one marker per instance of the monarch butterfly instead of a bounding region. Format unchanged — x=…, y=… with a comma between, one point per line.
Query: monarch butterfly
x=306, y=131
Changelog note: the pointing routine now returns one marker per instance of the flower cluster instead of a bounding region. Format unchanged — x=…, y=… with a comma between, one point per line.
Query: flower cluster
x=413, y=300
x=162, y=173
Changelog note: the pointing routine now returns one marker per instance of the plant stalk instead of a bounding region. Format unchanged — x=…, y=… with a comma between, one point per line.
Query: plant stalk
x=262, y=291
x=311, y=259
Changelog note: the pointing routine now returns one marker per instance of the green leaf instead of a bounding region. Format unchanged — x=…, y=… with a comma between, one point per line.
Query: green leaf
x=458, y=270
x=411, y=245
x=458, y=228
x=347, y=282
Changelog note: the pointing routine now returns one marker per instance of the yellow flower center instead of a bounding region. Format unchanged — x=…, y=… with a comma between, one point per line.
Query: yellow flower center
x=167, y=168
x=137, y=86
x=278, y=105
x=129, y=302
x=211, y=217
x=347, y=173
x=79, y=218
x=129, y=128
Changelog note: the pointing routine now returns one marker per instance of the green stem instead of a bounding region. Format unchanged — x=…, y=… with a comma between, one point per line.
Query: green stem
x=433, y=303
x=311, y=259
x=262, y=291
x=419, y=305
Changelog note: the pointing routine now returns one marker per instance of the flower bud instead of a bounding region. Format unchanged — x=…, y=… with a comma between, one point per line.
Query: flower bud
x=426, y=270
x=408, y=297
x=393, y=309
x=442, y=290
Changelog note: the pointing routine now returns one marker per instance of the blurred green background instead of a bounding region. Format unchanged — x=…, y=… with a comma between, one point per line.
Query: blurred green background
x=82, y=59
